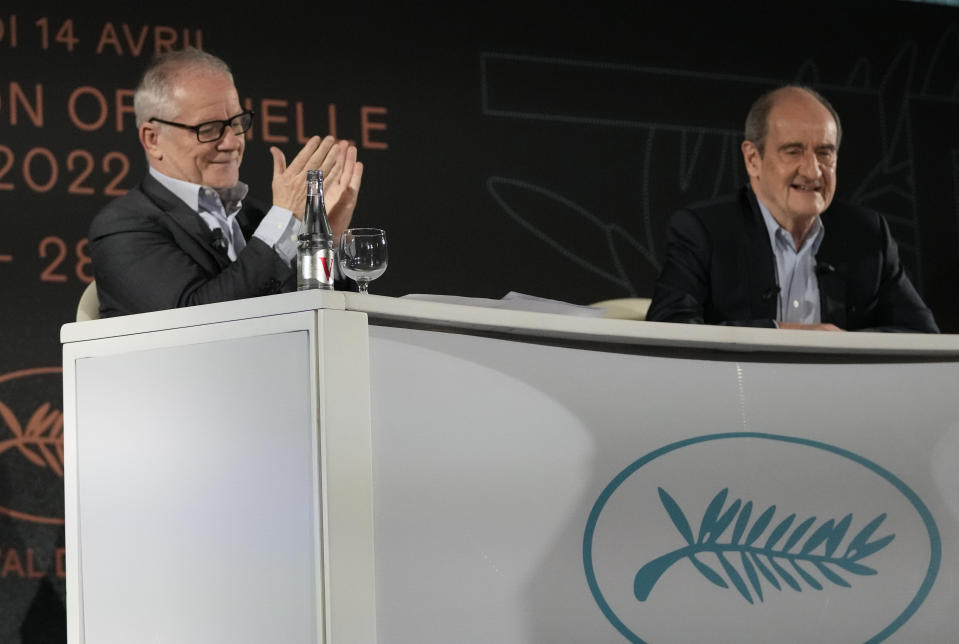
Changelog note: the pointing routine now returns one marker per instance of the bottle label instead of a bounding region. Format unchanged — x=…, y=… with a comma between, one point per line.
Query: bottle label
x=314, y=267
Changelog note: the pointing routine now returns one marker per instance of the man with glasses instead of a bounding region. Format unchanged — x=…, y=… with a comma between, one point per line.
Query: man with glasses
x=188, y=234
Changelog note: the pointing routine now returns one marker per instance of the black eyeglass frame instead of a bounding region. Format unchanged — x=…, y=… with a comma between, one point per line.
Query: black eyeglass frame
x=223, y=125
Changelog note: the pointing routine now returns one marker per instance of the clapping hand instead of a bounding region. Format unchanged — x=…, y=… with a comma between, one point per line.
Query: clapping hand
x=342, y=175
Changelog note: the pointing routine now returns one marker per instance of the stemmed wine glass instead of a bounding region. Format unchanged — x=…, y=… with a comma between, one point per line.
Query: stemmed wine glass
x=363, y=255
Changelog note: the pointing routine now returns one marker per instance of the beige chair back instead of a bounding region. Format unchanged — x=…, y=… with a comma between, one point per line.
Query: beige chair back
x=89, y=306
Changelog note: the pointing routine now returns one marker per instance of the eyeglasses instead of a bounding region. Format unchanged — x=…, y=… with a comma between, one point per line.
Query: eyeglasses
x=213, y=130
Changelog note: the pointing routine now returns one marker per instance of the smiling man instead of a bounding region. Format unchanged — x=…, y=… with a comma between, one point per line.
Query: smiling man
x=188, y=234
x=781, y=253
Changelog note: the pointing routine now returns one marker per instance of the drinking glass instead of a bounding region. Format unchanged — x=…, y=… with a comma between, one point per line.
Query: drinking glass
x=363, y=255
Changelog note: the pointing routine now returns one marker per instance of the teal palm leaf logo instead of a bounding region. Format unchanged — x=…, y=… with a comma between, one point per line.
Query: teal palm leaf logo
x=798, y=556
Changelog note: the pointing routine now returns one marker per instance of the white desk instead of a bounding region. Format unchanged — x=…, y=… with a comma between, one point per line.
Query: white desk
x=338, y=468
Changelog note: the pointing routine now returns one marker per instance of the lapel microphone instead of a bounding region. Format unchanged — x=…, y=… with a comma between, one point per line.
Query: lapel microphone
x=217, y=239
x=824, y=268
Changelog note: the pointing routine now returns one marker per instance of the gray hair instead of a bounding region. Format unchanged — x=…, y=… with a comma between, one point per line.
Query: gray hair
x=757, y=120
x=154, y=95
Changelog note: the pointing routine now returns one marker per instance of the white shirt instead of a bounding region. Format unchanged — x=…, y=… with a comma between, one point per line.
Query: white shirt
x=795, y=270
x=278, y=229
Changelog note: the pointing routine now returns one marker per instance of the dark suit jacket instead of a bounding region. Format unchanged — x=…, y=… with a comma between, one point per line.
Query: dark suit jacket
x=151, y=251
x=720, y=269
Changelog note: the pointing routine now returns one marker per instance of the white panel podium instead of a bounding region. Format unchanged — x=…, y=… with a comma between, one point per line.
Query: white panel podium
x=330, y=467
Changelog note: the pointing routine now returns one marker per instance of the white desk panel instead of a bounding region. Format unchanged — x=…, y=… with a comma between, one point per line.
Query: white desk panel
x=197, y=514
x=516, y=494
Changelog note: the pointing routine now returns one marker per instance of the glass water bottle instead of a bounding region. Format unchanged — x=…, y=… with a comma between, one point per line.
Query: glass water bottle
x=315, y=253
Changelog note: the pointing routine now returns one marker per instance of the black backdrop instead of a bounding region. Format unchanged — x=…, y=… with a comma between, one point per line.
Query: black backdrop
x=508, y=146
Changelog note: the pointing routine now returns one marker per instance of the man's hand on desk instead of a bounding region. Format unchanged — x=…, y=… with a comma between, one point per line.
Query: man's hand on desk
x=802, y=326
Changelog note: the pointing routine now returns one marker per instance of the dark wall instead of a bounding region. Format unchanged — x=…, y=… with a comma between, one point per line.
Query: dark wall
x=508, y=146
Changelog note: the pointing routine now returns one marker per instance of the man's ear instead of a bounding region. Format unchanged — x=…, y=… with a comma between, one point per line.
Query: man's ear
x=149, y=139
x=752, y=158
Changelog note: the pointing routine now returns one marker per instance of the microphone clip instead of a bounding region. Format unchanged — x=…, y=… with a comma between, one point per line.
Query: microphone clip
x=824, y=268
x=217, y=239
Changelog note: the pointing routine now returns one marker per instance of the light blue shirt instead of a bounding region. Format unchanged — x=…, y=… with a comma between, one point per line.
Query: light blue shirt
x=795, y=271
x=278, y=229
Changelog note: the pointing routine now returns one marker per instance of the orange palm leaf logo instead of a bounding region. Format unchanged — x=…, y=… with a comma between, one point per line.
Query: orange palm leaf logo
x=41, y=441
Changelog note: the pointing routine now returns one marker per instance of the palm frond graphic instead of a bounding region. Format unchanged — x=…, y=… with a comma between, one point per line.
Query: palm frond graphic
x=41, y=441
x=770, y=560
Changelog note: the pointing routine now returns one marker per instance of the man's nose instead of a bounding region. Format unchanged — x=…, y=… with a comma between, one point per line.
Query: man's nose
x=229, y=140
x=809, y=165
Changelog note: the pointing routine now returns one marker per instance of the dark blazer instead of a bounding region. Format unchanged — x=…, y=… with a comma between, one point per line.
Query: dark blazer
x=720, y=269
x=151, y=251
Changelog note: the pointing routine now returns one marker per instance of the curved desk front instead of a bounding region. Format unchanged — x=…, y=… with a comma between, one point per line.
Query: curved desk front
x=329, y=467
